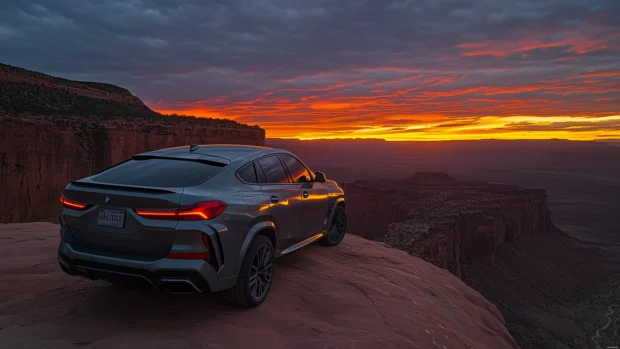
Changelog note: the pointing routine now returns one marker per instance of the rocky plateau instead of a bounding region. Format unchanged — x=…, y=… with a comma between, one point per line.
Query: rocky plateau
x=444, y=221
x=360, y=294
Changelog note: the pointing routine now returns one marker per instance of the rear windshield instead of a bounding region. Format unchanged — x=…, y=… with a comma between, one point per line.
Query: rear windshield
x=158, y=173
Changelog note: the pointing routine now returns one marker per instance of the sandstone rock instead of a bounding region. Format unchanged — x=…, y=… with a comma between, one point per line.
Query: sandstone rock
x=360, y=294
x=55, y=130
x=40, y=156
x=444, y=221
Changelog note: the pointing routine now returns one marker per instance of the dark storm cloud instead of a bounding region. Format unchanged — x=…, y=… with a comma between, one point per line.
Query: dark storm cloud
x=452, y=56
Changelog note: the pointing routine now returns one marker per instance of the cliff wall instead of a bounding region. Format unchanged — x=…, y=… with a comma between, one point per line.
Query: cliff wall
x=444, y=221
x=40, y=155
x=54, y=130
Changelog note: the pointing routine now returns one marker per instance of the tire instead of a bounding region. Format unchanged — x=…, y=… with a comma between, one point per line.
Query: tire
x=258, y=267
x=337, y=230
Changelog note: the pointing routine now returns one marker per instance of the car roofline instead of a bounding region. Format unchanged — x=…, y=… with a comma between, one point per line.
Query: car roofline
x=221, y=151
x=203, y=155
x=242, y=160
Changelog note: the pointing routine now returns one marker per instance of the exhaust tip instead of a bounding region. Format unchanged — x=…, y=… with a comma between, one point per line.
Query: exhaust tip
x=179, y=286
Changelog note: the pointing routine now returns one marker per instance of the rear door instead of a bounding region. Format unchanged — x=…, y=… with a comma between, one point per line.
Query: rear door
x=314, y=197
x=284, y=197
x=111, y=225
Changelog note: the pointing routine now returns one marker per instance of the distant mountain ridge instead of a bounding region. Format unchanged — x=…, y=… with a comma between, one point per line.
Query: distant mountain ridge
x=28, y=93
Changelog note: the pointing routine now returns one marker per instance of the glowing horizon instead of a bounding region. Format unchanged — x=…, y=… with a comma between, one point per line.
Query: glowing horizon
x=484, y=128
x=409, y=104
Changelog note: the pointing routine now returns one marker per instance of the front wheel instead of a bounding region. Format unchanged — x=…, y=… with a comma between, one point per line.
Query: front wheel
x=336, y=231
x=256, y=275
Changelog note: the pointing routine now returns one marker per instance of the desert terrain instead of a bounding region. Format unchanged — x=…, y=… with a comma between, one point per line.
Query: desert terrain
x=360, y=294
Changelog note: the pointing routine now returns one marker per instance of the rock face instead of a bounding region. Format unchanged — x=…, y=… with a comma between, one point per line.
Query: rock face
x=360, y=294
x=40, y=156
x=444, y=221
x=55, y=130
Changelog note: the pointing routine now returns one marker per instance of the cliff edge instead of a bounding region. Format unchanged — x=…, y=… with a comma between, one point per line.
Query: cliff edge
x=360, y=294
x=445, y=221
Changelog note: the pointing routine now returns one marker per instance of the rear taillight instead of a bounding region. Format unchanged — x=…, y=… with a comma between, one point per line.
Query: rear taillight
x=197, y=212
x=72, y=204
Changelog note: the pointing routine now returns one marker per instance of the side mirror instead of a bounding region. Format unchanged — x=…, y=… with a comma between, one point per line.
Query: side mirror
x=320, y=176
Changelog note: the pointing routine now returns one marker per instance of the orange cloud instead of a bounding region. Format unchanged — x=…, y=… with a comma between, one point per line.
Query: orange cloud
x=461, y=98
x=573, y=42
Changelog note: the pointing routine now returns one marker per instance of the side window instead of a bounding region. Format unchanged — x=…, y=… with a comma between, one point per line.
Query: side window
x=274, y=171
x=298, y=171
x=260, y=174
x=247, y=174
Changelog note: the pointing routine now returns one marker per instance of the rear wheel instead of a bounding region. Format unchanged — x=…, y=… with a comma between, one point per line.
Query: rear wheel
x=256, y=275
x=337, y=229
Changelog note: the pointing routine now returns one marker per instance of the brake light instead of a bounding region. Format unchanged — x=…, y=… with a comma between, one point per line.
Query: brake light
x=72, y=204
x=197, y=212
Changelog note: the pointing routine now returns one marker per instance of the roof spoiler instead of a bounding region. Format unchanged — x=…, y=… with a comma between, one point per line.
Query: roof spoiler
x=205, y=159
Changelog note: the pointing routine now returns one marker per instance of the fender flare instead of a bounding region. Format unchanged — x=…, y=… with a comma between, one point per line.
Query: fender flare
x=255, y=230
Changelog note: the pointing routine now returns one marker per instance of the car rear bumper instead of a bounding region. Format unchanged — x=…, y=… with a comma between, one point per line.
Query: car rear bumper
x=172, y=275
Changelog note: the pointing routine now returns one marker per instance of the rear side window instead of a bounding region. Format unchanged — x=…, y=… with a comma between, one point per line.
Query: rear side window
x=298, y=171
x=247, y=174
x=274, y=171
x=158, y=173
x=260, y=173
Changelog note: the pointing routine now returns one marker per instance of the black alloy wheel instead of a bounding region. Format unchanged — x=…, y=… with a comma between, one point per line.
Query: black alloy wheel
x=337, y=229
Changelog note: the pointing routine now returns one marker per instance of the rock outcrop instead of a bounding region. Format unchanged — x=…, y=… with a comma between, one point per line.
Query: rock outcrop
x=54, y=130
x=360, y=294
x=444, y=221
x=24, y=91
x=40, y=155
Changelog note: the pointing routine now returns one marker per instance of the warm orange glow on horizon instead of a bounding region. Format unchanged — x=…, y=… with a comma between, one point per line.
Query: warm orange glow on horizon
x=549, y=109
x=489, y=127
x=512, y=95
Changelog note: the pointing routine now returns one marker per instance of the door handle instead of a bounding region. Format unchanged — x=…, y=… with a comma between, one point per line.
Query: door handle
x=274, y=199
x=305, y=194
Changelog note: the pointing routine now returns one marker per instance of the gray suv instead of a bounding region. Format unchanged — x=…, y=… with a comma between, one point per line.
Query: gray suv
x=198, y=219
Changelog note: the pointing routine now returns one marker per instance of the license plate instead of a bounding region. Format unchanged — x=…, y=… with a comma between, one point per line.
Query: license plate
x=111, y=218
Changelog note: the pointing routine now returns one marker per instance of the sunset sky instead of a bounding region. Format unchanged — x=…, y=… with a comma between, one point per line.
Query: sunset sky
x=399, y=70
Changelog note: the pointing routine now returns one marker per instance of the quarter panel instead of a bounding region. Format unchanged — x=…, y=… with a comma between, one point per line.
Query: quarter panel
x=245, y=205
